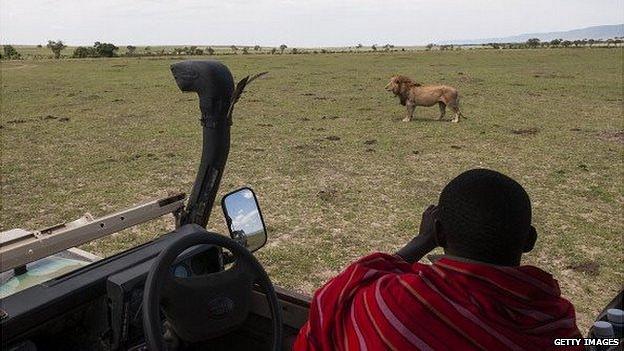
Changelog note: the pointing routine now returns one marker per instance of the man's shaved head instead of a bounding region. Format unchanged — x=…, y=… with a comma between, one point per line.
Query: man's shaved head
x=486, y=216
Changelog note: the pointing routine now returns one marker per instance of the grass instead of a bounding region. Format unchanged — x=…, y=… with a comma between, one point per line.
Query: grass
x=337, y=173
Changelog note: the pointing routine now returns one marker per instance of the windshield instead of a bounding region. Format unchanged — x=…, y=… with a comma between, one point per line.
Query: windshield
x=41, y=271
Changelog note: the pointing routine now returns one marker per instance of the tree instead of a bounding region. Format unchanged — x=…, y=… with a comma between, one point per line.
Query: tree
x=374, y=47
x=273, y=51
x=210, y=51
x=566, y=43
x=257, y=48
x=294, y=51
x=148, y=49
x=234, y=48
x=56, y=47
x=556, y=42
x=533, y=43
x=591, y=42
x=130, y=49
x=429, y=46
x=245, y=51
x=105, y=49
x=282, y=48
x=84, y=52
x=359, y=46
x=10, y=53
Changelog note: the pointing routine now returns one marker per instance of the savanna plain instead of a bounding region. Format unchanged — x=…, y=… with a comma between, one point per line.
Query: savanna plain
x=337, y=173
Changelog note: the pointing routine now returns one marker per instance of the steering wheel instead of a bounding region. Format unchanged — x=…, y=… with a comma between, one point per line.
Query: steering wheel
x=205, y=306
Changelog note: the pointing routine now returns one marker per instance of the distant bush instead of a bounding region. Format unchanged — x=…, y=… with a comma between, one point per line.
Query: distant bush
x=98, y=50
x=84, y=52
x=56, y=47
x=105, y=49
x=10, y=53
x=533, y=43
x=210, y=51
x=130, y=49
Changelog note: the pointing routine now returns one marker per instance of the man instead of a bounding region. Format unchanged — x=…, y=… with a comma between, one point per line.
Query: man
x=476, y=297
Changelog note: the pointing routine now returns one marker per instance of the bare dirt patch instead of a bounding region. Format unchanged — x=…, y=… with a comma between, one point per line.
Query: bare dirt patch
x=587, y=267
x=17, y=121
x=464, y=78
x=614, y=136
x=525, y=131
x=327, y=194
x=552, y=75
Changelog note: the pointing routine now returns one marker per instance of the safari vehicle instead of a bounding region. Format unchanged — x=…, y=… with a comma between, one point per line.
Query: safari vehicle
x=189, y=289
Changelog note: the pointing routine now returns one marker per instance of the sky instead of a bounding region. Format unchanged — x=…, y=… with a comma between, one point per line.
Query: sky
x=243, y=211
x=296, y=23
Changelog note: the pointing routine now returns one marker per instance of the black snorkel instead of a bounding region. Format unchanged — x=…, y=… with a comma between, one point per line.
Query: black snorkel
x=214, y=85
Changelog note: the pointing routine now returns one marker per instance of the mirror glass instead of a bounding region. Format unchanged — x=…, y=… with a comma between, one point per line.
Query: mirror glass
x=244, y=219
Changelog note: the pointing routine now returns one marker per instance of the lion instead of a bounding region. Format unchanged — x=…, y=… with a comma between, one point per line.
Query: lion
x=412, y=94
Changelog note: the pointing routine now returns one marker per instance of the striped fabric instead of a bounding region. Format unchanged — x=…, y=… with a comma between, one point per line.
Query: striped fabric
x=383, y=303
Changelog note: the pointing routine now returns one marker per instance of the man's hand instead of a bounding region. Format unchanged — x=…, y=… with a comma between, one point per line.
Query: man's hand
x=427, y=230
x=425, y=241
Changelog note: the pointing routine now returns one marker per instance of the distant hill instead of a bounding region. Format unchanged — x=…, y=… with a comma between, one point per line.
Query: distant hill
x=595, y=32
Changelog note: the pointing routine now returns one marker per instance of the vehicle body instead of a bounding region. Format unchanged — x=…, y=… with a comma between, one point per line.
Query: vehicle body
x=56, y=297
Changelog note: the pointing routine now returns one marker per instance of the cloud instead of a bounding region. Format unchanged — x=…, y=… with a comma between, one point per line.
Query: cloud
x=295, y=23
x=247, y=194
x=249, y=222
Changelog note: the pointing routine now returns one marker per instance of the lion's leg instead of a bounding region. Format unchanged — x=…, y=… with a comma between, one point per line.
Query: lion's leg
x=456, y=115
x=442, y=110
x=455, y=108
x=410, y=112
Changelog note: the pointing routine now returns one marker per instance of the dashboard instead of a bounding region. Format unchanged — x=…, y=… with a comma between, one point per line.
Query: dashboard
x=125, y=292
x=102, y=299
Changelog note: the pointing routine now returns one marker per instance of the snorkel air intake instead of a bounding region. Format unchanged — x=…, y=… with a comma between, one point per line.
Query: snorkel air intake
x=214, y=85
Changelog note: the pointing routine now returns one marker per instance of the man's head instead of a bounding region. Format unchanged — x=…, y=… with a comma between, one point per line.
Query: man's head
x=486, y=216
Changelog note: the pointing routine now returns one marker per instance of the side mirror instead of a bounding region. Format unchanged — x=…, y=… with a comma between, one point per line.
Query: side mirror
x=244, y=219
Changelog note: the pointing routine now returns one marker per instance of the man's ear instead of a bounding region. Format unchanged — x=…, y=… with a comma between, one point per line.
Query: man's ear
x=531, y=238
x=438, y=233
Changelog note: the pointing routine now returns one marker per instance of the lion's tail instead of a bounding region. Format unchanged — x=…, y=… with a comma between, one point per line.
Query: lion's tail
x=459, y=113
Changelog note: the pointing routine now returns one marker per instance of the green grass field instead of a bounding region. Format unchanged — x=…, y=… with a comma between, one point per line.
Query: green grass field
x=337, y=173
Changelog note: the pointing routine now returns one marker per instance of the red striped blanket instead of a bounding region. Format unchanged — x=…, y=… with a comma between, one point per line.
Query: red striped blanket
x=383, y=303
